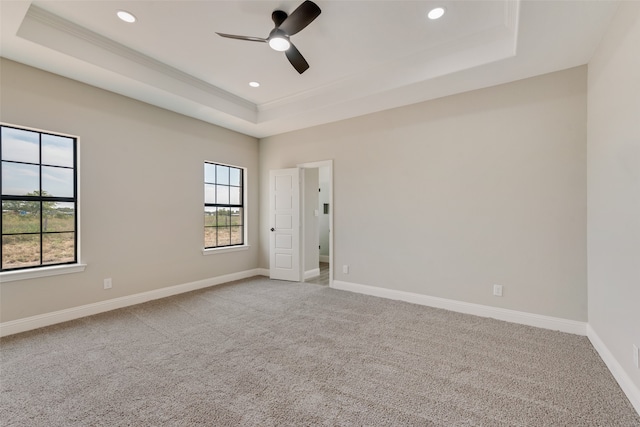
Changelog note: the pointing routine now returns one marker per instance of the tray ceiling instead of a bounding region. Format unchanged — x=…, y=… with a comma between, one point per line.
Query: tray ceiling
x=365, y=56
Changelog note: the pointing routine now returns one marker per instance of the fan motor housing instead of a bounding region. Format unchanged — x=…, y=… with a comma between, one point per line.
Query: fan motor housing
x=278, y=17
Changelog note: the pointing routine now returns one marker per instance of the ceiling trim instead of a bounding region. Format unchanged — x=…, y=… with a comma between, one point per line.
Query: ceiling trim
x=52, y=31
x=491, y=45
x=521, y=39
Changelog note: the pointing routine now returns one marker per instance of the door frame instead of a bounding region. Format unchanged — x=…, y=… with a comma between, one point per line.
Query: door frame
x=312, y=165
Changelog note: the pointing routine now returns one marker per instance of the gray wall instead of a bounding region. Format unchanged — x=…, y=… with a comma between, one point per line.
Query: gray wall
x=442, y=198
x=447, y=197
x=141, y=191
x=614, y=189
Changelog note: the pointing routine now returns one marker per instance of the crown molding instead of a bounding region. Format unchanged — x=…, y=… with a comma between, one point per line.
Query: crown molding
x=52, y=31
x=490, y=45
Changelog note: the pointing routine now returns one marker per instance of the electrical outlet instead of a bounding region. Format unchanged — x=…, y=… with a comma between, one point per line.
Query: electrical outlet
x=345, y=269
x=107, y=283
x=636, y=356
x=497, y=290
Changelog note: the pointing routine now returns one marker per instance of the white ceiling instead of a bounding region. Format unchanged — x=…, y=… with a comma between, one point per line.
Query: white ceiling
x=365, y=56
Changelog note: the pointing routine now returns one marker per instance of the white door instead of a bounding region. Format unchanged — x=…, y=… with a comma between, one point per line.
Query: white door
x=284, y=213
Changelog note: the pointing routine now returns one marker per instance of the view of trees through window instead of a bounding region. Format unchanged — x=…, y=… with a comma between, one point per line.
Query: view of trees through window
x=39, y=201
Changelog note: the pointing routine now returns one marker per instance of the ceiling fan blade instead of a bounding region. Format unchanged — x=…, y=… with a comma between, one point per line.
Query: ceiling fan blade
x=297, y=60
x=300, y=18
x=248, y=38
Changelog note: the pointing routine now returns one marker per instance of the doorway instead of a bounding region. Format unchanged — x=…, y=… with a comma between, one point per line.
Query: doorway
x=317, y=222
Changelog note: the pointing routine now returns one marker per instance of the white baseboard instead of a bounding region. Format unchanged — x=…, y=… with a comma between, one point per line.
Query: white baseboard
x=311, y=273
x=324, y=258
x=520, y=317
x=262, y=272
x=618, y=372
x=47, y=319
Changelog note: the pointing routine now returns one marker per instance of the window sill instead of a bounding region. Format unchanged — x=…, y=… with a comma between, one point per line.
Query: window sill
x=11, y=276
x=213, y=251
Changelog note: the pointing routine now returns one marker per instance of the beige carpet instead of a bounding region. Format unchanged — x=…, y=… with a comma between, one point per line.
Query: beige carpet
x=268, y=353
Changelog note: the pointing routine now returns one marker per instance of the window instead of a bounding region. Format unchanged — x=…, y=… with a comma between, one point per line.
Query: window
x=224, y=221
x=39, y=198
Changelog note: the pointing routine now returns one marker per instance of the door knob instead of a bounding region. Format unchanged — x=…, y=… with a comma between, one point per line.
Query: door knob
x=273, y=229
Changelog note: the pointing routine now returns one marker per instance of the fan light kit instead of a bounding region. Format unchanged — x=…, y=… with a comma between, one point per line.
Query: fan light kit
x=436, y=13
x=126, y=16
x=286, y=26
x=279, y=43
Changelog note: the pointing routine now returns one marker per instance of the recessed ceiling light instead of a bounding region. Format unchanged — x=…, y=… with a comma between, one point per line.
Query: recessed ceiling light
x=436, y=13
x=126, y=16
x=254, y=84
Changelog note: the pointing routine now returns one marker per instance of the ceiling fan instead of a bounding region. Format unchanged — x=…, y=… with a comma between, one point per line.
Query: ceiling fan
x=286, y=26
